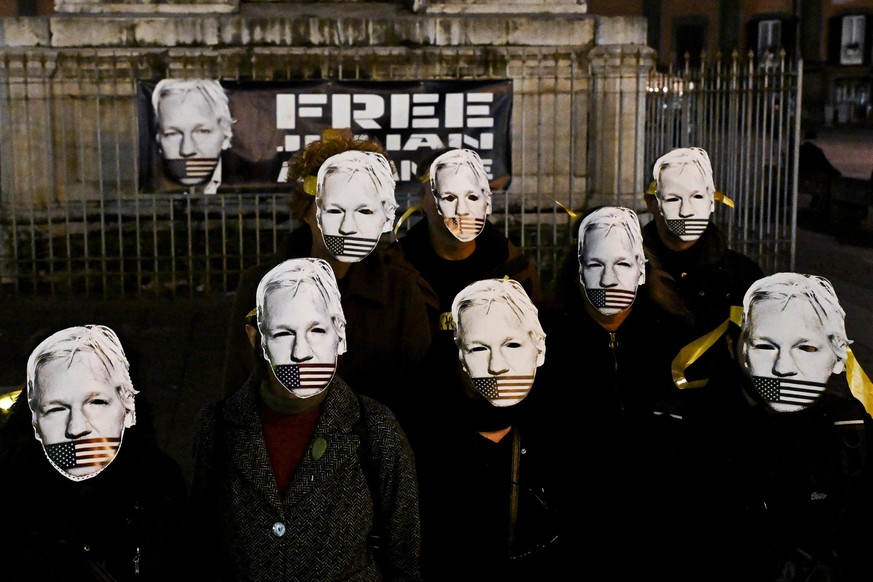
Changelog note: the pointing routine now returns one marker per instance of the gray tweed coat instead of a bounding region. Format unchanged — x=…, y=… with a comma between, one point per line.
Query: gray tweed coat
x=319, y=529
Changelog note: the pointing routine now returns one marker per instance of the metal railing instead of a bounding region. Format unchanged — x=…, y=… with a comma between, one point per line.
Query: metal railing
x=73, y=222
x=746, y=113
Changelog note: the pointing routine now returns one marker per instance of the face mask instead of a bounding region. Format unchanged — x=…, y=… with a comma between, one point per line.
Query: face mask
x=498, y=353
x=300, y=341
x=79, y=416
x=350, y=190
x=684, y=202
x=461, y=193
x=609, y=270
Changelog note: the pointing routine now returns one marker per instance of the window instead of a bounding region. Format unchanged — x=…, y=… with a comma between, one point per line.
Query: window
x=769, y=37
x=852, y=40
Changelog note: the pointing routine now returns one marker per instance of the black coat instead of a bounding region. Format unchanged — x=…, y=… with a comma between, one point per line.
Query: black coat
x=800, y=486
x=58, y=529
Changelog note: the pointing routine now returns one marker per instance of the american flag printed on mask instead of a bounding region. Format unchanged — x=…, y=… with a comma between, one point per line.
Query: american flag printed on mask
x=610, y=298
x=504, y=387
x=688, y=226
x=349, y=246
x=787, y=390
x=193, y=168
x=465, y=224
x=93, y=452
x=309, y=376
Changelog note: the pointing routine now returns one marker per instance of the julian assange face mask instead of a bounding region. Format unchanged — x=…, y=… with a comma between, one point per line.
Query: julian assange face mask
x=610, y=264
x=81, y=399
x=685, y=192
x=787, y=349
x=460, y=188
x=353, y=191
x=301, y=324
x=495, y=340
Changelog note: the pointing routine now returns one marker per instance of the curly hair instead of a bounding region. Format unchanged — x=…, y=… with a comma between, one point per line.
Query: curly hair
x=308, y=161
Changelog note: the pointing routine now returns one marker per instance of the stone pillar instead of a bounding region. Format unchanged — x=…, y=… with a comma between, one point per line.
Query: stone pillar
x=181, y=7
x=620, y=64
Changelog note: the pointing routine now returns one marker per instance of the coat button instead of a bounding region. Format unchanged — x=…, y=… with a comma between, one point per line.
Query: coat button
x=278, y=529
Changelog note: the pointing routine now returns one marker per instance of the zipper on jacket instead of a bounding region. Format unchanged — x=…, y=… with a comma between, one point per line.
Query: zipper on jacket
x=613, y=347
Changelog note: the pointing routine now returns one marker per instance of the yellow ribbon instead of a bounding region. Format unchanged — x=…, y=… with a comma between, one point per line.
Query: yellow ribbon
x=720, y=197
x=409, y=212
x=692, y=352
x=572, y=214
x=858, y=381
x=310, y=185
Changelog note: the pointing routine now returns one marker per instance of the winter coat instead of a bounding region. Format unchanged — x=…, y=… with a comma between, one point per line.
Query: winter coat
x=123, y=524
x=320, y=528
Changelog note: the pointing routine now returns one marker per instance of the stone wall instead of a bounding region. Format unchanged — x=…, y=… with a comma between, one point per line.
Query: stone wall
x=568, y=68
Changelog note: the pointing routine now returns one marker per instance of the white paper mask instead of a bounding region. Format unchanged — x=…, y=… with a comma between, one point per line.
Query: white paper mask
x=302, y=325
x=685, y=191
x=612, y=264
x=460, y=188
x=793, y=339
x=499, y=338
x=194, y=127
x=81, y=399
x=355, y=203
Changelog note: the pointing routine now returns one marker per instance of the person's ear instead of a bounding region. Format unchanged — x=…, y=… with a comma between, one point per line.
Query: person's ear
x=252, y=333
x=839, y=366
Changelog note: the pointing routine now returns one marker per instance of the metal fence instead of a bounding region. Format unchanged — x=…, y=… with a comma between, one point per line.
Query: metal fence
x=73, y=222
x=746, y=113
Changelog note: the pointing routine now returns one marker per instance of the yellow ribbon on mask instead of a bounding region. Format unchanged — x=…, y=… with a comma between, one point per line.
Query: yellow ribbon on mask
x=720, y=197
x=692, y=352
x=859, y=383
x=403, y=217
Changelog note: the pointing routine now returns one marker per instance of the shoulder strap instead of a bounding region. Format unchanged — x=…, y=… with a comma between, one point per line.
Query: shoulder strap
x=365, y=459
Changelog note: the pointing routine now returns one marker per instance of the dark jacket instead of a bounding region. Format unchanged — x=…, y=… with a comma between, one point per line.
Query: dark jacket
x=466, y=489
x=801, y=484
x=96, y=530
x=386, y=323
x=618, y=422
x=709, y=278
x=319, y=529
x=441, y=280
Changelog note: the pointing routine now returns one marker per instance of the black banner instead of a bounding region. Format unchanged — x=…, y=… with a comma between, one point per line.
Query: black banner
x=273, y=121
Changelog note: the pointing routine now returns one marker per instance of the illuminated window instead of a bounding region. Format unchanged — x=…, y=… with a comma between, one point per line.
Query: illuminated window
x=852, y=40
